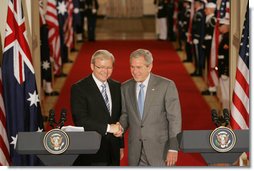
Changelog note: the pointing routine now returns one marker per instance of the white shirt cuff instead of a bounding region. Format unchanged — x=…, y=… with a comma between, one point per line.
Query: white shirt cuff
x=108, y=128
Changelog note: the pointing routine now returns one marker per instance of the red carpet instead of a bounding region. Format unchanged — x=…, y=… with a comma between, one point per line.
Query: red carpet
x=195, y=111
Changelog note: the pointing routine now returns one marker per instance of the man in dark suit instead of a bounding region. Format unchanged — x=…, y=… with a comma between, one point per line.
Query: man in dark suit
x=185, y=27
x=170, y=18
x=161, y=19
x=91, y=9
x=198, y=32
x=223, y=63
x=96, y=106
x=80, y=28
x=207, y=42
x=151, y=110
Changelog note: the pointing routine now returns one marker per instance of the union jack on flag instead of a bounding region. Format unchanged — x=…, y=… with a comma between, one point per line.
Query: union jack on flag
x=21, y=100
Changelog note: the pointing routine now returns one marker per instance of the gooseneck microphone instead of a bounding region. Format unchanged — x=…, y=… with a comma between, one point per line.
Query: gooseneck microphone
x=62, y=117
x=215, y=118
x=61, y=121
x=226, y=116
x=52, y=120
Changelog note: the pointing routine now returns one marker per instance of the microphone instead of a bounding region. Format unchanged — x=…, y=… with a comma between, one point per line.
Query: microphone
x=52, y=118
x=215, y=118
x=226, y=116
x=63, y=117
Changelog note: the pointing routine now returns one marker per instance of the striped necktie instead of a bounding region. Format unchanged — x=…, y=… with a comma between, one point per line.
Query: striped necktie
x=105, y=96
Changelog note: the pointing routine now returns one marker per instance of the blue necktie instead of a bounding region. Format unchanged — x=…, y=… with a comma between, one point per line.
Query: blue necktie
x=141, y=99
x=105, y=96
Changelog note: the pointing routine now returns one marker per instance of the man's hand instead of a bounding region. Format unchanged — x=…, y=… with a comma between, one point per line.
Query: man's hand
x=114, y=128
x=121, y=153
x=171, y=158
x=120, y=132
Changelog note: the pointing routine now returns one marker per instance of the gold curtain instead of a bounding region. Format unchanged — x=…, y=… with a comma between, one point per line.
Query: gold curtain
x=124, y=8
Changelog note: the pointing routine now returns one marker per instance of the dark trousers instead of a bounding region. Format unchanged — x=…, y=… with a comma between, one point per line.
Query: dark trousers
x=91, y=20
x=170, y=22
x=207, y=52
x=80, y=28
x=199, y=58
x=188, y=50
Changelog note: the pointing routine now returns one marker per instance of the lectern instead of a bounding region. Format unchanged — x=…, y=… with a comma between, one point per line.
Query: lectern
x=79, y=143
x=198, y=141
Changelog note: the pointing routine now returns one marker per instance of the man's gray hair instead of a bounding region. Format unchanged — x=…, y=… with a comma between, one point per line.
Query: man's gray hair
x=102, y=54
x=143, y=52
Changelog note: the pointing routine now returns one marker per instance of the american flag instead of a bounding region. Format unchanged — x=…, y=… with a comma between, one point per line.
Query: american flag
x=22, y=106
x=224, y=9
x=240, y=103
x=4, y=144
x=54, y=37
x=68, y=28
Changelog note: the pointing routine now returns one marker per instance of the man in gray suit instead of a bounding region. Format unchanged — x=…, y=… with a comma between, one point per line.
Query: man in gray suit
x=151, y=110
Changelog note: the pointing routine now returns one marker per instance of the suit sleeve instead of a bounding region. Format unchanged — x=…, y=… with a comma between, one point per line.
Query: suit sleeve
x=80, y=114
x=173, y=109
x=124, y=116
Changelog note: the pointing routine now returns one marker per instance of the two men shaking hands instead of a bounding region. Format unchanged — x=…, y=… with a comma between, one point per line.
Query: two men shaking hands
x=116, y=129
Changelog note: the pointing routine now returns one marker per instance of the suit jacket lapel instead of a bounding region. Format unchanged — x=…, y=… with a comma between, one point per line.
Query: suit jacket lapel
x=98, y=94
x=113, y=94
x=150, y=95
x=133, y=98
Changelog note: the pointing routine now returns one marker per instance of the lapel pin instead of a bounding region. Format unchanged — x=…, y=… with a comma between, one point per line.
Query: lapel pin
x=153, y=89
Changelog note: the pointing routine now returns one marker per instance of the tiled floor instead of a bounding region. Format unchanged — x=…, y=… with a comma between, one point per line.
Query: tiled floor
x=123, y=29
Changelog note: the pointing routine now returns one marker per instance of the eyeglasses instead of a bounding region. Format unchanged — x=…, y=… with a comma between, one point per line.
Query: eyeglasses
x=139, y=67
x=102, y=67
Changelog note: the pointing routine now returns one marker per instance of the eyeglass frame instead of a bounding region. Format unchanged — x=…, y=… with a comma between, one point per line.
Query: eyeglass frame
x=102, y=67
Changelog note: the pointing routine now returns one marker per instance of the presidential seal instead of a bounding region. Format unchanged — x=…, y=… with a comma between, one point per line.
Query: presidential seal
x=56, y=141
x=222, y=139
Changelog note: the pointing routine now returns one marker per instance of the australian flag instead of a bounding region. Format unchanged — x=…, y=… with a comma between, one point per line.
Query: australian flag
x=22, y=105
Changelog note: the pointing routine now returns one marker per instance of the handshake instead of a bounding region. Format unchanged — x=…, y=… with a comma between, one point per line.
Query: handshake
x=116, y=129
